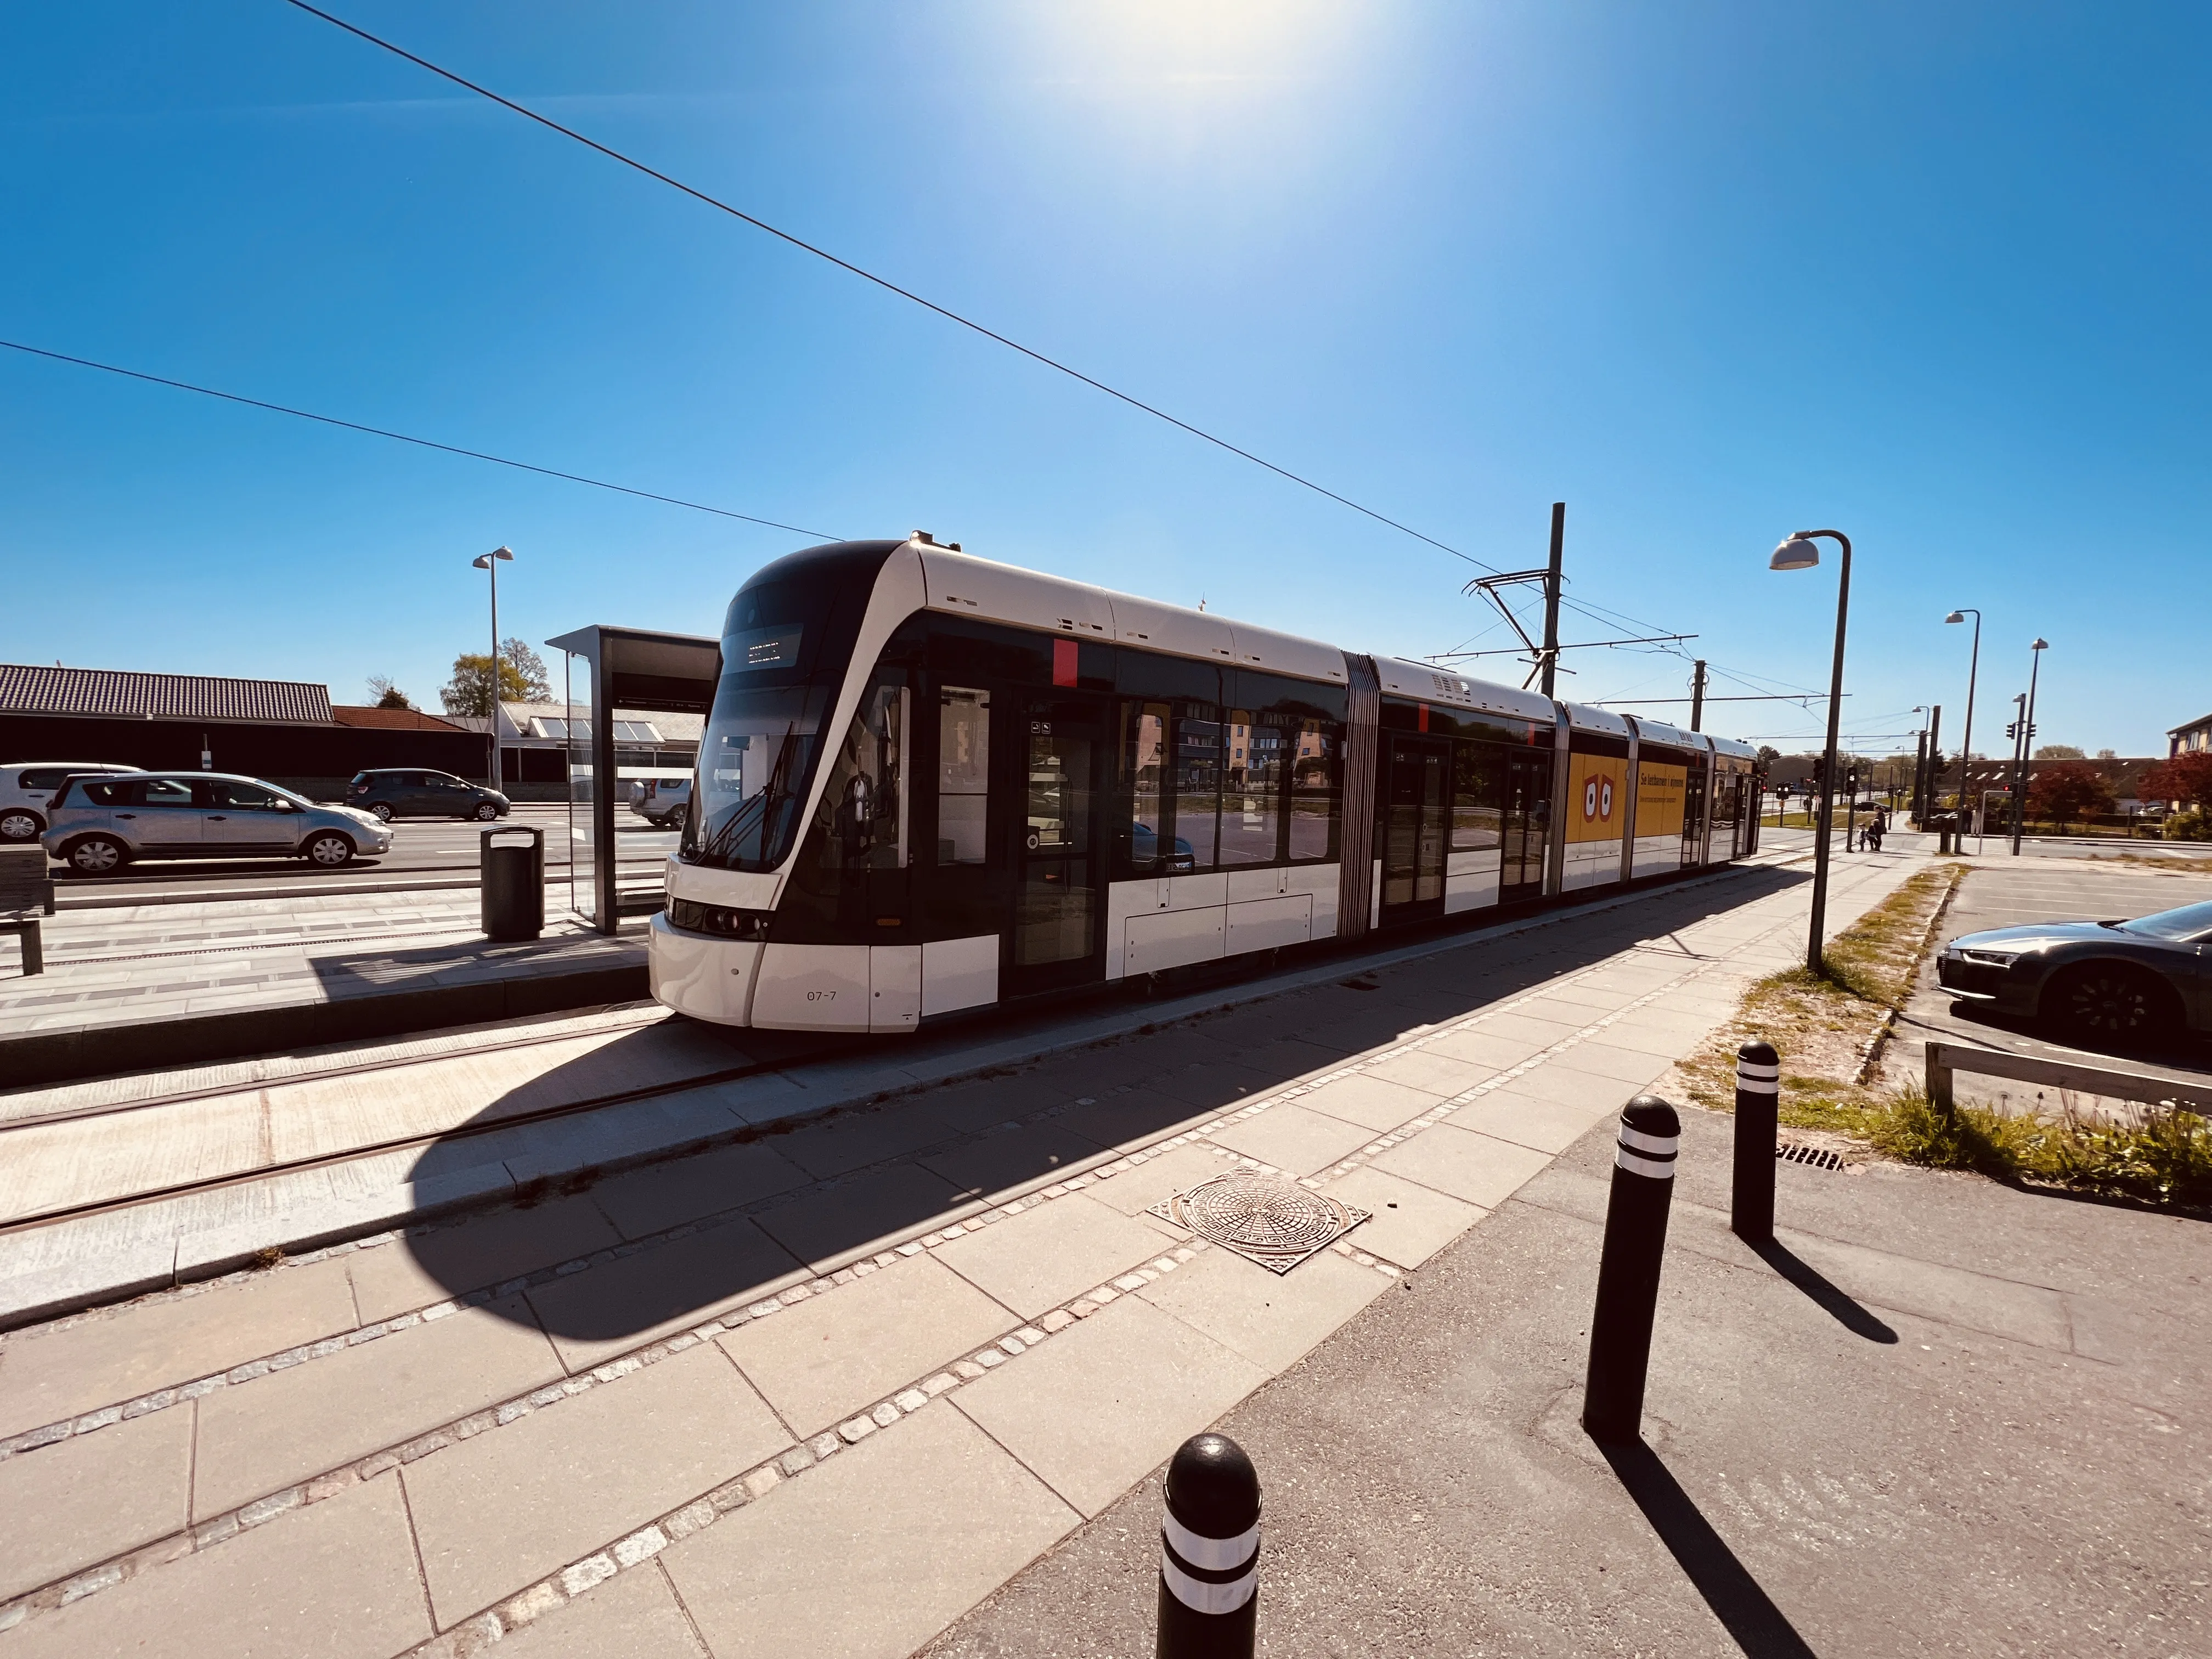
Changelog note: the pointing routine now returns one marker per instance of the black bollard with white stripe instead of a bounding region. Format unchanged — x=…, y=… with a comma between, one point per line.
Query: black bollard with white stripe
x=1210, y=1553
x=1757, y=1120
x=1628, y=1269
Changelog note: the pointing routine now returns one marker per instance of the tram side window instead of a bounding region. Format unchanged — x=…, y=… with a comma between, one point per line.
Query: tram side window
x=1252, y=792
x=963, y=773
x=1147, y=775
x=864, y=809
x=1195, y=779
x=1478, y=797
x=1315, y=797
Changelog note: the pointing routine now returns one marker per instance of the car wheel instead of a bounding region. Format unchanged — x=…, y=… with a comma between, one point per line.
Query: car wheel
x=18, y=826
x=2108, y=1001
x=330, y=849
x=97, y=855
x=384, y=812
x=487, y=812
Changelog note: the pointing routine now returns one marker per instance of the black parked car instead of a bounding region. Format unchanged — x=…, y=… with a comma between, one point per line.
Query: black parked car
x=407, y=793
x=2144, y=980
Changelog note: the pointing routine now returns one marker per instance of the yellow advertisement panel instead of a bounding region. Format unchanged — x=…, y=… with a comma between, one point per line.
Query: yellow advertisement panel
x=1661, y=790
x=1595, y=803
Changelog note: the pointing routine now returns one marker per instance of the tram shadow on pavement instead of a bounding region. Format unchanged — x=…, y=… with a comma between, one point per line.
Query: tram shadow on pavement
x=780, y=1199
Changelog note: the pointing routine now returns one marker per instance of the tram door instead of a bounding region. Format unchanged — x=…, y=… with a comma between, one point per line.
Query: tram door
x=1527, y=826
x=1058, y=852
x=1416, y=809
x=1693, y=820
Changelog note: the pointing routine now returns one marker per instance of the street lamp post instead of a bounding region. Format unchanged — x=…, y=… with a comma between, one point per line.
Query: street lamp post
x=491, y=561
x=1974, y=667
x=2026, y=738
x=1799, y=553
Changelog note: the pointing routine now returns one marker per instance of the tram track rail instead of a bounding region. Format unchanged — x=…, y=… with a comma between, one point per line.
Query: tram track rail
x=646, y=1017
x=62, y=1213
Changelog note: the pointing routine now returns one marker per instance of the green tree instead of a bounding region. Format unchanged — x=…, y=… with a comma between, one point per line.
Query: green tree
x=521, y=679
x=387, y=695
x=2058, y=752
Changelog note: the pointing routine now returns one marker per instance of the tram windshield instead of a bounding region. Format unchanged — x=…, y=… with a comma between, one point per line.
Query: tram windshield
x=786, y=646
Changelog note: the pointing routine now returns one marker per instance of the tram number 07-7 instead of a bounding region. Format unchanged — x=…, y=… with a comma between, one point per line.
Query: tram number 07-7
x=822, y=996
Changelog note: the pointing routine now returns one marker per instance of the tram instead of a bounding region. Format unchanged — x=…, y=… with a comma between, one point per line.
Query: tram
x=930, y=783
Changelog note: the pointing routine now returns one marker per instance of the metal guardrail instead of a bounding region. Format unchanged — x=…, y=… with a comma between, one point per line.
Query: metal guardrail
x=1945, y=1059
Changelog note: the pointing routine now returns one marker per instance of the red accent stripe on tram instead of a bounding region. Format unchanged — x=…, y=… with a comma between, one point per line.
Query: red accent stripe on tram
x=1063, y=662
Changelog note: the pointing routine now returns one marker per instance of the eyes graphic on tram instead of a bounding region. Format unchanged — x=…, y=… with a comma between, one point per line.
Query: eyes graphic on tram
x=1597, y=798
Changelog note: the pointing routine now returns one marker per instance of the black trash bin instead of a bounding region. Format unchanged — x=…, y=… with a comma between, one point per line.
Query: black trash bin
x=514, y=882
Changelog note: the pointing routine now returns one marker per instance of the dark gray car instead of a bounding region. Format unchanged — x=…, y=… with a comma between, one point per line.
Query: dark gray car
x=2143, y=980
x=413, y=792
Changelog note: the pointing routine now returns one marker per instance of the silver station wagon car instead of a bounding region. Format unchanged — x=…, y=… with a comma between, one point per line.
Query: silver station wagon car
x=98, y=825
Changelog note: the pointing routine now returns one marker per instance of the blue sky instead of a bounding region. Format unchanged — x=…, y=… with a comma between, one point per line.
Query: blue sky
x=1934, y=275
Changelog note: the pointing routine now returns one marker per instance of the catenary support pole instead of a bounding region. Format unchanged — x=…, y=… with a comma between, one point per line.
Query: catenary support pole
x=1210, y=1553
x=1552, y=594
x=1698, y=695
x=1934, y=758
x=1757, y=1103
x=1628, y=1269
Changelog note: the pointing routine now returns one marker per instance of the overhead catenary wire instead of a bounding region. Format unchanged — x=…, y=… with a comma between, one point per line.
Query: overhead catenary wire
x=883, y=282
x=407, y=438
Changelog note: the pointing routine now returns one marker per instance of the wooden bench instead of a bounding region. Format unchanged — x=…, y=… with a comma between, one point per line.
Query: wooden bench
x=1946, y=1058
x=25, y=890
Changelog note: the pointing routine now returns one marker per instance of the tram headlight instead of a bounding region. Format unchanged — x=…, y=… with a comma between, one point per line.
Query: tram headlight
x=718, y=919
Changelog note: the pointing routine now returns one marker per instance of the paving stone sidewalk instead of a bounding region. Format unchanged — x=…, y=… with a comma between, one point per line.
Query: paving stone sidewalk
x=820, y=1391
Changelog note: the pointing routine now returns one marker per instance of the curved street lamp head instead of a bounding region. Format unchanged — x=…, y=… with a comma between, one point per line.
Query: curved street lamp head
x=483, y=561
x=1795, y=554
x=1956, y=616
x=2040, y=645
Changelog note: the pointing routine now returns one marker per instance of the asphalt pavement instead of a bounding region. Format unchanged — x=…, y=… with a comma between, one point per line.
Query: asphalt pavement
x=2184, y=854
x=1941, y=1417
x=426, y=853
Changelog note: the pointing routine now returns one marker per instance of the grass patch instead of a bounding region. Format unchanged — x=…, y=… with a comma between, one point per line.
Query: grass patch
x=1822, y=1023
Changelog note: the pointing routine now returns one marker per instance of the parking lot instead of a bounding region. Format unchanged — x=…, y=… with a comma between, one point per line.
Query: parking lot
x=2003, y=893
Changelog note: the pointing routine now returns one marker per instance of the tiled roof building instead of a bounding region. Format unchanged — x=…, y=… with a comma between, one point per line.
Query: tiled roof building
x=108, y=693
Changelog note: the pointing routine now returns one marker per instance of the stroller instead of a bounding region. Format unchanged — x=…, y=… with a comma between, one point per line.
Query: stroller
x=1870, y=837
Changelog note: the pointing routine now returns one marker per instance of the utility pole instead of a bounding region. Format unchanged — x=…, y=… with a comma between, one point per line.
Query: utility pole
x=1552, y=593
x=1698, y=695
x=1935, y=763
x=1920, y=775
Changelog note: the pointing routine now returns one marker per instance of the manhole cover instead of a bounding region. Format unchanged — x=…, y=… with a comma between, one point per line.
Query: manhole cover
x=1265, y=1219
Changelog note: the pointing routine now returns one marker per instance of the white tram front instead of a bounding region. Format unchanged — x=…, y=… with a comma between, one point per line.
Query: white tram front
x=931, y=782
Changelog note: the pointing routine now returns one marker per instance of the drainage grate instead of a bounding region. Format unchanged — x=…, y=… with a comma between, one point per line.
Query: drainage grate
x=1818, y=1156
x=1265, y=1219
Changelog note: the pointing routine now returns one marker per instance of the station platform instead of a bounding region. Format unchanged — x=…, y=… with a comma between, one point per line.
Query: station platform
x=170, y=984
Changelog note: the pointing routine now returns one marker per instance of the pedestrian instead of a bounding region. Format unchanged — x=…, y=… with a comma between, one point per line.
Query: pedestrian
x=1871, y=836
